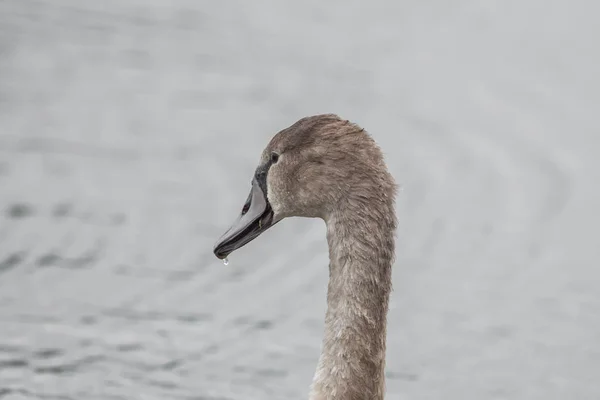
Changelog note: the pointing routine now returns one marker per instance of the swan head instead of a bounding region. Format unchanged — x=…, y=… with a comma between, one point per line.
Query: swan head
x=313, y=168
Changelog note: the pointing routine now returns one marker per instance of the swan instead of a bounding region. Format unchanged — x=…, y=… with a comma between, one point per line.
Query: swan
x=326, y=167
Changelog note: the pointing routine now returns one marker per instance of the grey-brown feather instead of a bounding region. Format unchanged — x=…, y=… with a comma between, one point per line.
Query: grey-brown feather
x=332, y=169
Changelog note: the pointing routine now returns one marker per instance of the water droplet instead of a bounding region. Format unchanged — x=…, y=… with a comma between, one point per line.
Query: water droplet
x=225, y=261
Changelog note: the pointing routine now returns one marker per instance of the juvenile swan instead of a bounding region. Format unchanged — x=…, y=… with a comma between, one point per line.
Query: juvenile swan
x=329, y=168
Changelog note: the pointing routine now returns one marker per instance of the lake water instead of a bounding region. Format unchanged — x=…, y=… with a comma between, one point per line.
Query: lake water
x=129, y=131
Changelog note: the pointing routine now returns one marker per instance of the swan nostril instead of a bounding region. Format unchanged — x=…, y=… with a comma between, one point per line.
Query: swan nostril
x=245, y=208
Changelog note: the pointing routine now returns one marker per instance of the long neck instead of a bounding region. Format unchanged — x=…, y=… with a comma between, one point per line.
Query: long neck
x=361, y=252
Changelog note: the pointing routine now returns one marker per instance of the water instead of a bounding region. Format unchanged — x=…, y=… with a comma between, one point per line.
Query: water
x=129, y=130
x=226, y=261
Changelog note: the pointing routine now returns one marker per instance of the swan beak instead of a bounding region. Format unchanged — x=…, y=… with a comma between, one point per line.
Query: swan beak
x=255, y=218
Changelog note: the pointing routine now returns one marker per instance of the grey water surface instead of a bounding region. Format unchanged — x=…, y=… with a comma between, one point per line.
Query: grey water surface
x=130, y=129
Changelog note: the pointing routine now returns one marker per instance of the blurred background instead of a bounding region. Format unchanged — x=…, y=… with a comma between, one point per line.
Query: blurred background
x=130, y=129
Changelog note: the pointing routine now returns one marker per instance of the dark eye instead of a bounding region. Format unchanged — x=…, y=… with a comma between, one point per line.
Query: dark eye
x=274, y=158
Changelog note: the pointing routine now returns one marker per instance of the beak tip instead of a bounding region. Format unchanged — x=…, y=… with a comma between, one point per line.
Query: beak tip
x=219, y=253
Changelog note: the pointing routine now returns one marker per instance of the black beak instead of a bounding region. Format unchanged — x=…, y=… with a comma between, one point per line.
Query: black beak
x=256, y=217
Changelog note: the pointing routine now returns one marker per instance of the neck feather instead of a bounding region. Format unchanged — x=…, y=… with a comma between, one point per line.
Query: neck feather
x=361, y=250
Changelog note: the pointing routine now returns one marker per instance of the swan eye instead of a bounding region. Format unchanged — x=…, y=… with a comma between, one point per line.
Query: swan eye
x=274, y=158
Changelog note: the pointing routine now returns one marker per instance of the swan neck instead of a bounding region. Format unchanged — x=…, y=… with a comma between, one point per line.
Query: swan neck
x=361, y=251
